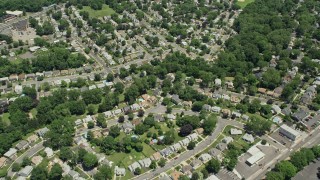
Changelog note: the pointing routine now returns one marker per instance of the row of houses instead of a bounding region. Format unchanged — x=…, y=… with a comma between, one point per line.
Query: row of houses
x=144, y=163
x=178, y=146
x=55, y=73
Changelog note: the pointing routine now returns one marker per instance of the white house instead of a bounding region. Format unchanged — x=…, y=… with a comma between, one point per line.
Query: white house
x=205, y=157
x=119, y=171
x=234, y=131
x=248, y=137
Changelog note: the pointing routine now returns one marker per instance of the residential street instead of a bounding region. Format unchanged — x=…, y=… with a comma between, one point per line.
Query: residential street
x=221, y=124
x=29, y=153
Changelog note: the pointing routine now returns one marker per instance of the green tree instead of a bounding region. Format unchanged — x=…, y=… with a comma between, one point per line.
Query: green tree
x=65, y=153
x=299, y=160
x=104, y=172
x=90, y=161
x=272, y=175
x=287, y=169
x=91, y=109
x=56, y=172
x=162, y=162
x=101, y=121
x=191, y=145
x=114, y=131
x=213, y=166
x=209, y=124
x=90, y=125
x=258, y=126
x=26, y=162
x=153, y=165
x=316, y=151
x=16, y=167
x=31, y=92
x=39, y=173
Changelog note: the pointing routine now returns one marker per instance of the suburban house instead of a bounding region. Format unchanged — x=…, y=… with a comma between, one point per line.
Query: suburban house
x=3, y=161
x=234, y=131
x=275, y=109
x=127, y=127
x=222, y=146
x=248, y=137
x=156, y=156
x=175, y=99
x=49, y=152
x=11, y=154
x=134, y=166
x=23, y=144
x=145, y=162
x=196, y=163
x=26, y=171
x=119, y=171
x=205, y=157
x=308, y=96
x=36, y=160
x=42, y=132
x=227, y=140
x=300, y=115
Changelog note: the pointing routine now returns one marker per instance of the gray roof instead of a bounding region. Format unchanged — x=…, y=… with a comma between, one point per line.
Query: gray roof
x=300, y=115
x=134, y=166
x=42, y=132
x=11, y=152
x=222, y=146
x=248, y=137
x=176, y=98
x=195, y=162
x=214, y=152
x=22, y=144
x=25, y=172
x=127, y=125
x=158, y=117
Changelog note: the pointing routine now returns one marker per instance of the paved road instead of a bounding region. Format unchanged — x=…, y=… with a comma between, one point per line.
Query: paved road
x=29, y=153
x=221, y=124
x=308, y=142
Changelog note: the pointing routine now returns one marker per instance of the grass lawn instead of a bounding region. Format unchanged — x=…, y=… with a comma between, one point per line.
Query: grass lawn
x=227, y=132
x=34, y=112
x=5, y=118
x=244, y=3
x=121, y=136
x=147, y=150
x=3, y=171
x=105, y=11
x=126, y=159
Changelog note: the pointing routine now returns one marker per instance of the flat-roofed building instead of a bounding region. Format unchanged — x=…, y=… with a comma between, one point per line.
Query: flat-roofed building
x=289, y=132
x=255, y=158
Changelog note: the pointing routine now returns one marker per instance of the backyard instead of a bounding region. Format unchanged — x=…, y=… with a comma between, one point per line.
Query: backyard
x=105, y=11
x=244, y=3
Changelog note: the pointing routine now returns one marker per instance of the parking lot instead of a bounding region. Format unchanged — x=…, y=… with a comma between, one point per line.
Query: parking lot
x=309, y=172
x=246, y=171
x=281, y=139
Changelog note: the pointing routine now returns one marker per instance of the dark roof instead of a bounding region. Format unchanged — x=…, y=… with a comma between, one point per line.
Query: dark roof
x=21, y=25
x=300, y=115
